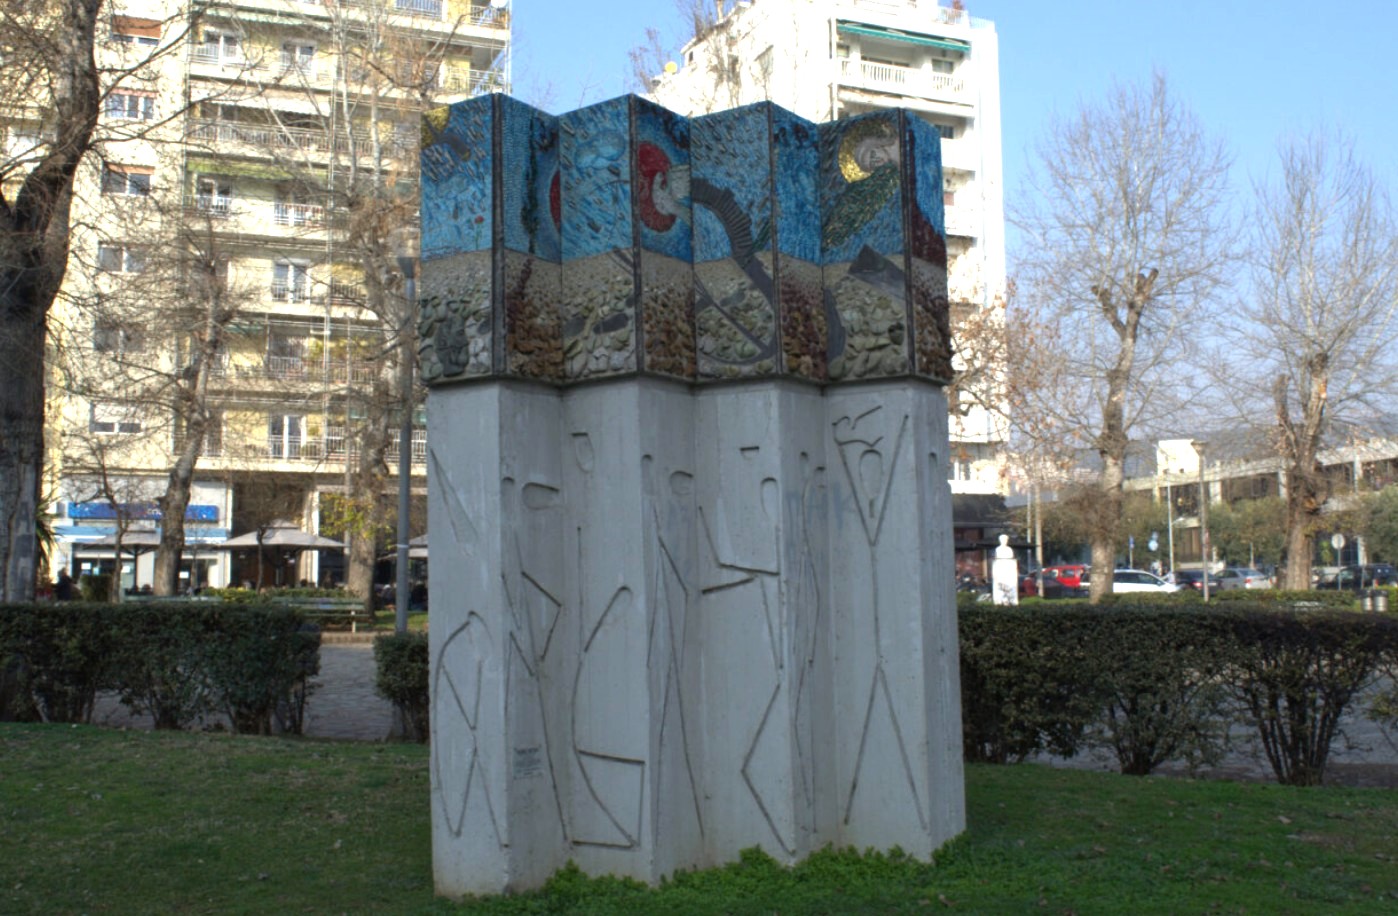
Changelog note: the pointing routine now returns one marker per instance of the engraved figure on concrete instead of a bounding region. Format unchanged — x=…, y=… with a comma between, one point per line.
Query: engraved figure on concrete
x=1004, y=573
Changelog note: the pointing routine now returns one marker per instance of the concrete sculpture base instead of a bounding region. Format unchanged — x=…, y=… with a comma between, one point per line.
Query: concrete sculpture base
x=669, y=624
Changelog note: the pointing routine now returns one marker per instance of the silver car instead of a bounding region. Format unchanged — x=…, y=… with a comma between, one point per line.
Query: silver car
x=1235, y=577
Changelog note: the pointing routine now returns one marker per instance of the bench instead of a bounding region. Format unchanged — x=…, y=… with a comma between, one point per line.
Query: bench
x=325, y=611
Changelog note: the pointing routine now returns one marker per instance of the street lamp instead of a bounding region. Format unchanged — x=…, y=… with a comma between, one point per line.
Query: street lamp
x=405, y=249
x=1199, y=446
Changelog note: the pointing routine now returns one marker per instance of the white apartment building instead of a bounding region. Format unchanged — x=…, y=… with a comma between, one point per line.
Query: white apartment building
x=250, y=131
x=827, y=59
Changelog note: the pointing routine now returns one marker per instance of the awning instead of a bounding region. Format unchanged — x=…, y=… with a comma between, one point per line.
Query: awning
x=874, y=31
x=234, y=168
x=979, y=510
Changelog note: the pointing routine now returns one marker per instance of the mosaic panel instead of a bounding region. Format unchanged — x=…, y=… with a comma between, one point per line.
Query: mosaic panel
x=735, y=296
x=661, y=175
x=863, y=246
x=622, y=238
x=599, y=268
x=800, y=286
x=928, y=251
x=456, y=179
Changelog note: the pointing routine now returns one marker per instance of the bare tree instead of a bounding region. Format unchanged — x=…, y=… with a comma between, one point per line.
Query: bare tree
x=1316, y=337
x=1126, y=237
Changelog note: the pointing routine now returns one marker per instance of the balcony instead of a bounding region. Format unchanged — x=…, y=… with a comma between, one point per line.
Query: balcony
x=464, y=81
x=900, y=80
x=213, y=207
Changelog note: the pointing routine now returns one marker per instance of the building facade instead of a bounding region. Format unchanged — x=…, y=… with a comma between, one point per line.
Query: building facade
x=827, y=59
x=233, y=277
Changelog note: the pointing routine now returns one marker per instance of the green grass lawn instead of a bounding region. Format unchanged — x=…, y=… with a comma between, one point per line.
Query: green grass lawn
x=106, y=821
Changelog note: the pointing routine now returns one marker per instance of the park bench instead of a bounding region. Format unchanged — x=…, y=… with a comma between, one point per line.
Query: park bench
x=328, y=612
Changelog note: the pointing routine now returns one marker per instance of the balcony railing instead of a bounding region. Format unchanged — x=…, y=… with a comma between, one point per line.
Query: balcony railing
x=216, y=207
x=333, y=445
x=289, y=214
x=464, y=81
x=287, y=291
x=429, y=8
x=306, y=370
x=912, y=81
x=271, y=138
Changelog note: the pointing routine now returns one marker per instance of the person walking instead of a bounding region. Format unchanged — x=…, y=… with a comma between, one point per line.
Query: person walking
x=63, y=588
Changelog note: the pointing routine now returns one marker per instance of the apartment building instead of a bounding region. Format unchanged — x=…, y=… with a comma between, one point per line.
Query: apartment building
x=233, y=275
x=827, y=59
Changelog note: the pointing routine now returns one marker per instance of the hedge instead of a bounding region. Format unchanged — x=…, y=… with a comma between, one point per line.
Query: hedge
x=1152, y=683
x=401, y=677
x=176, y=661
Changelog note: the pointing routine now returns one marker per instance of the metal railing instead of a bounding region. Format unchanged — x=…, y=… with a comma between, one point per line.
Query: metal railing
x=290, y=214
x=271, y=137
x=287, y=291
x=904, y=80
x=217, y=207
x=430, y=8
x=333, y=445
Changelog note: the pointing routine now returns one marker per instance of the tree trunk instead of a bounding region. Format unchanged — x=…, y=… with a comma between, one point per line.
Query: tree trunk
x=1300, y=542
x=33, y=258
x=1104, y=517
x=173, y=503
x=21, y=444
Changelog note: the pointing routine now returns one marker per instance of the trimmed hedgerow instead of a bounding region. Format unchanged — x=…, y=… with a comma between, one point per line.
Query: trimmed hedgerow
x=175, y=661
x=1152, y=683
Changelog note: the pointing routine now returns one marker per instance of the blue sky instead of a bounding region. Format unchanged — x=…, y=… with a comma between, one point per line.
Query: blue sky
x=1252, y=70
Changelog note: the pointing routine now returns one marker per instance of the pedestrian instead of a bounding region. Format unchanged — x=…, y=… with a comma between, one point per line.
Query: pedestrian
x=63, y=588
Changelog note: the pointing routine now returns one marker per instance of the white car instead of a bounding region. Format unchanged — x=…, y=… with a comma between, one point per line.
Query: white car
x=1138, y=580
x=1235, y=577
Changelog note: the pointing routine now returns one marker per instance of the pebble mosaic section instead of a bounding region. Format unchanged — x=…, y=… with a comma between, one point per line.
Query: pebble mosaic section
x=622, y=238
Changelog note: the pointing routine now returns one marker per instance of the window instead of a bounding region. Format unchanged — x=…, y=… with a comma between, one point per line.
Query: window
x=284, y=433
x=945, y=131
x=213, y=196
x=218, y=47
x=131, y=181
x=132, y=105
x=21, y=142
x=942, y=66
x=764, y=65
x=112, y=419
x=298, y=57
x=291, y=281
x=285, y=356
x=132, y=30
x=120, y=259
x=112, y=336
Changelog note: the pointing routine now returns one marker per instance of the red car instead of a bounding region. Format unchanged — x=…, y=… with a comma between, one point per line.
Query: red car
x=1070, y=574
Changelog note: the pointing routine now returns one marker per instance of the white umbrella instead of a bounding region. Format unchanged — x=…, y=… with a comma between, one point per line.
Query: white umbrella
x=283, y=538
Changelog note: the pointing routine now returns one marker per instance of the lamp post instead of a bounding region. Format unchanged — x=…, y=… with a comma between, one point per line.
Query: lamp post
x=1199, y=446
x=405, y=249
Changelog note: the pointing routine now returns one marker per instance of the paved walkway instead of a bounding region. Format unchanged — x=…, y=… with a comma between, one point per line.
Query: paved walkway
x=342, y=704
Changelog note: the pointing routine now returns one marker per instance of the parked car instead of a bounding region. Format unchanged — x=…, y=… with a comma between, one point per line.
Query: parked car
x=1053, y=587
x=1355, y=578
x=1235, y=577
x=1070, y=574
x=1193, y=580
x=1126, y=581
